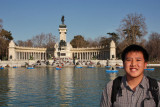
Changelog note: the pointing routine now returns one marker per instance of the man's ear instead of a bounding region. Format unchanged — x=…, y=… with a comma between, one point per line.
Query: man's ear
x=145, y=65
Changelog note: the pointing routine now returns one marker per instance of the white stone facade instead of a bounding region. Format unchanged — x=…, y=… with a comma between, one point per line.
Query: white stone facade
x=63, y=32
x=26, y=53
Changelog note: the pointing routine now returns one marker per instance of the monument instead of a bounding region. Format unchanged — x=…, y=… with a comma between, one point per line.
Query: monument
x=65, y=50
x=62, y=49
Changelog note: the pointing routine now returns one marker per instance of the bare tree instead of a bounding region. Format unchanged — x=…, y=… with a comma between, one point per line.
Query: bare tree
x=50, y=40
x=132, y=28
x=20, y=43
x=153, y=46
x=93, y=43
x=29, y=43
x=41, y=40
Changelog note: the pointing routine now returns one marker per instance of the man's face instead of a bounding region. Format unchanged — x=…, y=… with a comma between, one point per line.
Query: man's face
x=134, y=64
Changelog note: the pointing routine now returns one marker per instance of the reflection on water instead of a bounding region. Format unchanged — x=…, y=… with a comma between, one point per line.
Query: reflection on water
x=113, y=76
x=50, y=87
x=3, y=87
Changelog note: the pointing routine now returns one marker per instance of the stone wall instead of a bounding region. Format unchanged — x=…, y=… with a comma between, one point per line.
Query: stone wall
x=16, y=63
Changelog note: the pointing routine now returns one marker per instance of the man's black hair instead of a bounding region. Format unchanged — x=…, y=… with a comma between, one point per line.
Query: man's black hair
x=135, y=48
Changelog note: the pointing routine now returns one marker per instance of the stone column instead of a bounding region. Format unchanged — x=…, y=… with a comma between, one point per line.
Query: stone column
x=80, y=55
x=112, y=50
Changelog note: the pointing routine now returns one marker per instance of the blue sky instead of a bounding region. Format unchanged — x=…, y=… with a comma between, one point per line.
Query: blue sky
x=89, y=18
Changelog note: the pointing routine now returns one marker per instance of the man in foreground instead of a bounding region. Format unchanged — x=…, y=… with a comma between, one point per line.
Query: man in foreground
x=134, y=89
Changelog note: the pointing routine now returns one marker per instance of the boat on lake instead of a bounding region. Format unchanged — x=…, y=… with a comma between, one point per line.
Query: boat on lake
x=121, y=67
x=107, y=66
x=111, y=71
x=30, y=67
x=15, y=67
x=58, y=68
x=1, y=67
x=78, y=66
x=149, y=69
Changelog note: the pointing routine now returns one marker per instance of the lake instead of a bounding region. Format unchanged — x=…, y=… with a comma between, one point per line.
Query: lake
x=69, y=87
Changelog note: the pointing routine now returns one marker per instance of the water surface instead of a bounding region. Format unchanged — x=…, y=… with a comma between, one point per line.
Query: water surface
x=69, y=87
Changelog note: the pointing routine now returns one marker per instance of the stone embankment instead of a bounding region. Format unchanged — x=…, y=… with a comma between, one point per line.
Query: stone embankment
x=65, y=63
x=153, y=64
x=60, y=62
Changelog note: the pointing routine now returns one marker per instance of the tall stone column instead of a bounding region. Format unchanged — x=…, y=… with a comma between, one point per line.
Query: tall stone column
x=12, y=52
x=80, y=56
x=63, y=30
x=85, y=56
x=19, y=56
x=112, y=50
x=23, y=56
x=46, y=56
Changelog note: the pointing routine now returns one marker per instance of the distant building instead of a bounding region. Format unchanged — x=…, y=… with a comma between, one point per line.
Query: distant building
x=26, y=53
x=62, y=51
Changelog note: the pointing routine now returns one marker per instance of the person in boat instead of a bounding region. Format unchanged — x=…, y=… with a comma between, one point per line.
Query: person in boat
x=134, y=89
x=112, y=68
x=58, y=66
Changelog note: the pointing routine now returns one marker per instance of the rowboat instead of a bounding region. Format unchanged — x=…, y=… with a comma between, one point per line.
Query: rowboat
x=78, y=66
x=58, y=68
x=1, y=67
x=149, y=69
x=119, y=67
x=30, y=67
x=111, y=71
x=107, y=66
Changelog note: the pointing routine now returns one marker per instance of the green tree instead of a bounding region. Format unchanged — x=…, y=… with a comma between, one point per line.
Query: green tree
x=114, y=37
x=78, y=42
x=104, y=41
x=5, y=37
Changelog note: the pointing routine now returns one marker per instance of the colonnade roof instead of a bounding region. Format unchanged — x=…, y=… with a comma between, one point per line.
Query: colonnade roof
x=90, y=49
x=30, y=48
